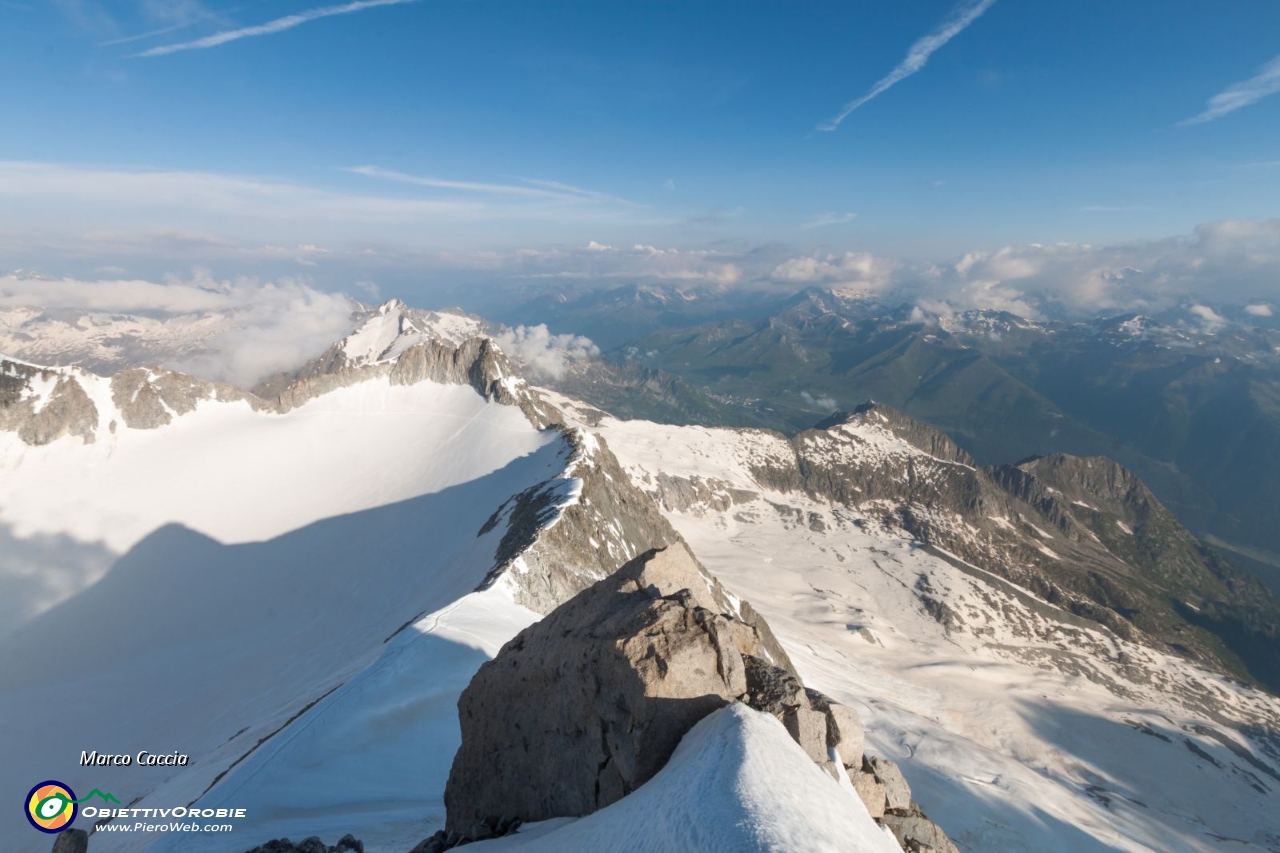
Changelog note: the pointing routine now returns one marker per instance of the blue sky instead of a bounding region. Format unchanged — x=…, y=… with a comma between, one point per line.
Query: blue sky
x=400, y=140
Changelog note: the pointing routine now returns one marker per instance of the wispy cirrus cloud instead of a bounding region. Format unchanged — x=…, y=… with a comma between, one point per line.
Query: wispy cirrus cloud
x=278, y=25
x=528, y=187
x=917, y=57
x=1242, y=94
x=174, y=16
x=822, y=220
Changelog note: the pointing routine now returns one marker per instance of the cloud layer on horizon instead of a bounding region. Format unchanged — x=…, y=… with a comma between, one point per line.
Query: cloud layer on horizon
x=239, y=331
x=263, y=327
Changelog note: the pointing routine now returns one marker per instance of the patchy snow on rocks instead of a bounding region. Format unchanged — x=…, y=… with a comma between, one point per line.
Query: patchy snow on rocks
x=1019, y=726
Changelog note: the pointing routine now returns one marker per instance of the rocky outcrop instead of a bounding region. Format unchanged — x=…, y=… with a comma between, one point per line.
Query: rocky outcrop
x=44, y=404
x=477, y=362
x=920, y=435
x=150, y=399
x=602, y=523
x=73, y=841
x=582, y=708
x=606, y=686
x=1083, y=535
x=313, y=844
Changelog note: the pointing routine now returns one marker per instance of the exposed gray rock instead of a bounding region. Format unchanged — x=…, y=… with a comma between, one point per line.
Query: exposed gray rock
x=696, y=494
x=870, y=791
x=896, y=790
x=605, y=686
x=42, y=405
x=845, y=732
x=609, y=523
x=150, y=398
x=780, y=693
x=808, y=728
x=585, y=706
x=312, y=844
x=917, y=834
x=1081, y=535
x=73, y=841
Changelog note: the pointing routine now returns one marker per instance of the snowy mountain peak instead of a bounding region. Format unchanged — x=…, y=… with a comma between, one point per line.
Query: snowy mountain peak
x=393, y=327
x=876, y=419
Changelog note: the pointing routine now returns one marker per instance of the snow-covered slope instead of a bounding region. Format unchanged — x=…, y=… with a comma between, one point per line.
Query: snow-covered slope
x=737, y=783
x=372, y=757
x=1019, y=726
x=348, y=450
x=197, y=568
x=216, y=628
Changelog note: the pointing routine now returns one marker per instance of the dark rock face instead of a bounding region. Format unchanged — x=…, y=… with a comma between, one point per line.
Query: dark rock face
x=313, y=844
x=71, y=841
x=610, y=523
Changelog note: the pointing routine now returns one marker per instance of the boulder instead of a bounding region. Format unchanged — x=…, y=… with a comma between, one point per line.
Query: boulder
x=809, y=729
x=871, y=792
x=582, y=708
x=311, y=844
x=897, y=791
x=71, y=841
x=845, y=732
x=918, y=834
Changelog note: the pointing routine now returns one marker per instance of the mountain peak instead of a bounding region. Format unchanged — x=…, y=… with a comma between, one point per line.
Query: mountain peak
x=393, y=328
x=888, y=419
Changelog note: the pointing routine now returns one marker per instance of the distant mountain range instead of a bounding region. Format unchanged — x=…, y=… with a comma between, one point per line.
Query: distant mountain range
x=1191, y=404
x=296, y=582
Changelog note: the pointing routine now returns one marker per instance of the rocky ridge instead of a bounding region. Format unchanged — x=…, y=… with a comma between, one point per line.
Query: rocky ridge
x=585, y=706
x=1081, y=534
x=560, y=536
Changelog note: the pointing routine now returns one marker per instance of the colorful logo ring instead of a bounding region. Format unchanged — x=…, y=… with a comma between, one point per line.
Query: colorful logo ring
x=51, y=806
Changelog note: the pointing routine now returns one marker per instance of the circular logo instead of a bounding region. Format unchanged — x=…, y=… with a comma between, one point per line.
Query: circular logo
x=51, y=806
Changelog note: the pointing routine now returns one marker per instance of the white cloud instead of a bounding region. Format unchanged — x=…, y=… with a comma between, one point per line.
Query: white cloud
x=261, y=327
x=1226, y=262
x=1242, y=94
x=1259, y=309
x=174, y=15
x=278, y=25
x=542, y=354
x=825, y=219
x=1212, y=320
x=851, y=269
x=824, y=403
x=916, y=57
x=599, y=262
